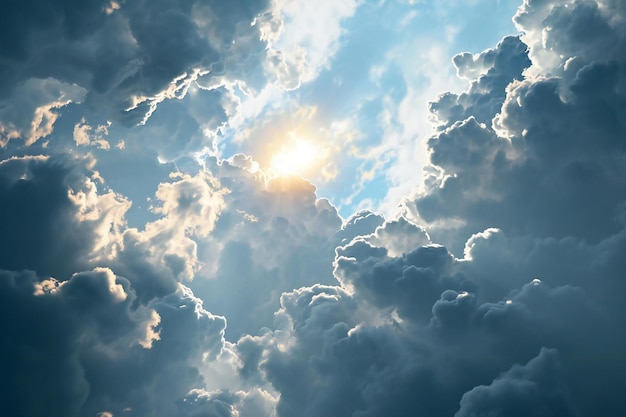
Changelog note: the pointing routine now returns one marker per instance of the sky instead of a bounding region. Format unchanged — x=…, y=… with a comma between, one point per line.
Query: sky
x=285, y=208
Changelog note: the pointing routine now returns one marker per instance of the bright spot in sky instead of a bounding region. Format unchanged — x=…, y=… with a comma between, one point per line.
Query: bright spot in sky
x=297, y=157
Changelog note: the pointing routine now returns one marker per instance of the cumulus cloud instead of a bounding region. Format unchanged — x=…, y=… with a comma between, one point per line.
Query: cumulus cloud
x=53, y=325
x=525, y=191
x=547, y=147
x=497, y=290
x=82, y=346
x=100, y=341
x=341, y=357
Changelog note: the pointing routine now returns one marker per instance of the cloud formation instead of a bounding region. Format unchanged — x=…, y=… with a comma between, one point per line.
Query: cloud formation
x=526, y=183
x=495, y=290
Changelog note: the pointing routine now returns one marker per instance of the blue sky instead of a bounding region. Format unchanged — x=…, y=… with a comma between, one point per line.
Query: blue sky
x=289, y=208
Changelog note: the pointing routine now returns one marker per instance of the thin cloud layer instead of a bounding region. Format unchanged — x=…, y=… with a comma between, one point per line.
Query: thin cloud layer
x=495, y=290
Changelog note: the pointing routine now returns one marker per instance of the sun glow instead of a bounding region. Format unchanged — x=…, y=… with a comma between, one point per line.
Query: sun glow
x=297, y=157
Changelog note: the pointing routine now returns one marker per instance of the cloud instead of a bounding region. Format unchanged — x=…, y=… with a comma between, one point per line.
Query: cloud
x=164, y=252
x=273, y=235
x=99, y=341
x=350, y=360
x=122, y=60
x=53, y=325
x=408, y=284
x=549, y=142
x=82, y=346
x=33, y=109
x=299, y=42
x=526, y=177
x=83, y=135
x=225, y=404
x=489, y=73
x=54, y=222
x=533, y=388
x=497, y=290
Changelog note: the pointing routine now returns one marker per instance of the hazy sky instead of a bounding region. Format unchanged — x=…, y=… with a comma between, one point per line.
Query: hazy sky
x=288, y=208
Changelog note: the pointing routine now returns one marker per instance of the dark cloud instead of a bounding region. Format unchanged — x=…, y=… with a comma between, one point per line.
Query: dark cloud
x=342, y=358
x=38, y=352
x=549, y=165
x=122, y=58
x=410, y=284
x=149, y=382
x=57, y=221
x=533, y=389
x=80, y=347
x=52, y=221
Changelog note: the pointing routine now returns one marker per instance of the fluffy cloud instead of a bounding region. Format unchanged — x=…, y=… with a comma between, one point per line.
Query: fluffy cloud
x=553, y=146
x=33, y=109
x=58, y=222
x=100, y=341
x=526, y=191
x=332, y=353
x=497, y=291
x=53, y=324
x=164, y=253
x=273, y=235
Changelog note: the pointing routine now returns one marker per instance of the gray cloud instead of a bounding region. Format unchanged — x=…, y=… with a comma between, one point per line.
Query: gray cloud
x=340, y=358
x=87, y=349
x=123, y=57
x=52, y=220
x=489, y=74
x=535, y=388
x=553, y=146
x=129, y=341
x=410, y=283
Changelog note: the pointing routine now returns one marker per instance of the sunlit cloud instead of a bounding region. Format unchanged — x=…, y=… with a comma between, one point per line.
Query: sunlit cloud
x=282, y=208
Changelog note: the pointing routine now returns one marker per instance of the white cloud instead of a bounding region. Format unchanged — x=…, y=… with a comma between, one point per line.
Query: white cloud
x=298, y=38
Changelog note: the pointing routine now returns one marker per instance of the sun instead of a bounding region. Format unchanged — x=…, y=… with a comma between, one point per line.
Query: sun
x=297, y=157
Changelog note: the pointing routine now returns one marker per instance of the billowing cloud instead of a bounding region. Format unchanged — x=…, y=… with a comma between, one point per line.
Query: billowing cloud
x=525, y=190
x=533, y=388
x=58, y=330
x=495, y=290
